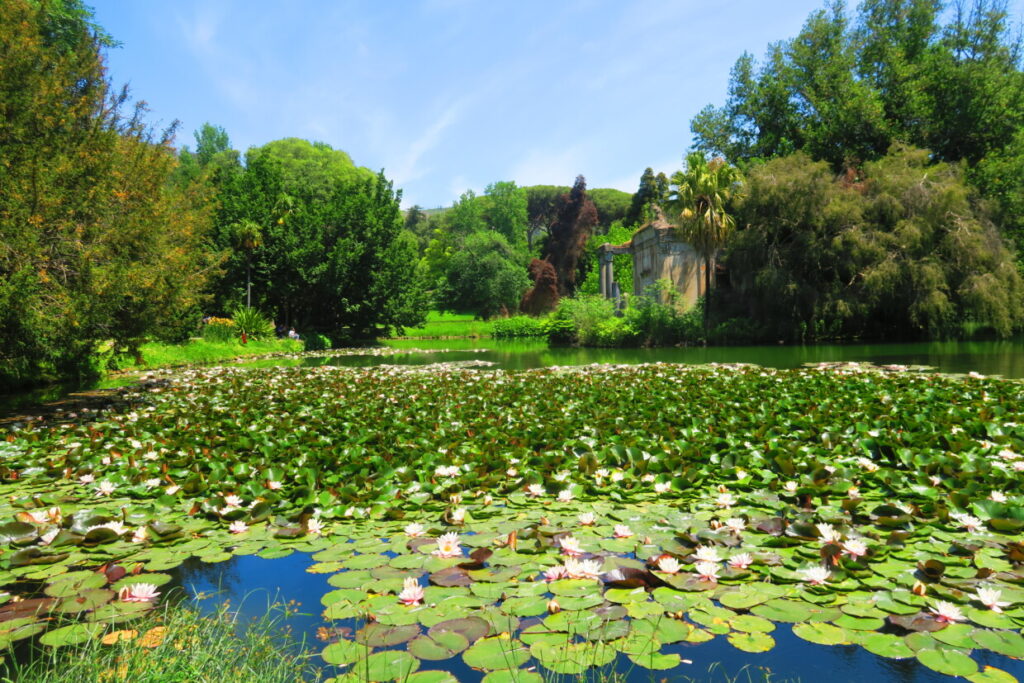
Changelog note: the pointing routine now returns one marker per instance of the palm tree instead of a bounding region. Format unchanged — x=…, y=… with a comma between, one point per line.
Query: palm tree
x=697, y=206
x=248, y=237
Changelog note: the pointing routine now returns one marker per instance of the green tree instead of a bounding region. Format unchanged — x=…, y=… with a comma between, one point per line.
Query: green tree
x=506, y=212
x=652, y=192
x=466, y=215
x=95, y=245
x=611, y=204
x=541, y=210
x=485, y=277
x=698, y=205
x=248, y=237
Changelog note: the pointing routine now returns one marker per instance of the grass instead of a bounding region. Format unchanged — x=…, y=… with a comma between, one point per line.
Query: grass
x=157, y=354
x=176, y=645
x=441, y=325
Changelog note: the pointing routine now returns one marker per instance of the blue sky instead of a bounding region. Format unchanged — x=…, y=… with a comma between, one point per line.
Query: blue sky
x=449, y=95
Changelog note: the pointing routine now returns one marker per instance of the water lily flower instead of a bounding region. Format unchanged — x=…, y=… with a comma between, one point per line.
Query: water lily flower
x=105, y=488
x=488, y=499
x=829, y=534
x=455, y=498
x=535, y=490
x=647, y=478
x=582, y=569
x=562, y=475
x=791, y=486
x=587, y=518
x=853, y=493
x=867, y=465
x=105, y=460
x=412, y=591
x=273, y=485
x=707, y=570
x=139, y=592
x=233, y=501
x=511, y=472
x=1018, y=466
x=565, y=495
x=741, y=561
x=151, y=483
x=815, y=576
x=458, y=516
x=935, y=480
x=171, y=490
x=447, y=471
x=315, y=526
x=969, y=522
x=997, y=496
x=238, y=527
x=725, y=500
x=117, y=527
x=555, y=573
x=989, y=597
x=150, y=455
x=600, y=475
x=735, y=525
x=553, y=606
x=669, y=565
x=414, y=529
x=741, y=474
x=44, y=516
x=622, y=531
x=448, y=546
x=662, y=487
x=47, y=538
x=947, y=612
x=140, y=535
x=706, y=553
x=618, y=476
x=855, y=548
x=570, y=546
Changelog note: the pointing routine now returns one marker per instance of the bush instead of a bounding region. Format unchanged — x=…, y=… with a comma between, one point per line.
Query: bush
x=660, y=320
x=220, y=330
x=583, y=314
x=519, y=326
x=252, y=323
x=317, y=342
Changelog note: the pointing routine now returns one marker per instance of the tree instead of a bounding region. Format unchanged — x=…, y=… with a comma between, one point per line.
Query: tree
x=904, y=252
x=697, y=205
x=541, y=210
x=248, y=237
x=611, y=204
x=652, y=192
x=485, y=277
x=505, y=212
x=466, y=215
x=574, y=222
x=95, y=245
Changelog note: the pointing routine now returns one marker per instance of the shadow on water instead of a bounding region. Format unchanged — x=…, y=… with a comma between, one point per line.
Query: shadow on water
x=251, y=582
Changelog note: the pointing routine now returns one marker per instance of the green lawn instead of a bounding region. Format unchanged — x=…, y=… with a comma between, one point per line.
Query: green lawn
x=157, y=354
x=449, y=325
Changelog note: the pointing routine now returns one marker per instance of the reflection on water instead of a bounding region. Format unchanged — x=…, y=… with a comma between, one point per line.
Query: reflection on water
x=250, y=582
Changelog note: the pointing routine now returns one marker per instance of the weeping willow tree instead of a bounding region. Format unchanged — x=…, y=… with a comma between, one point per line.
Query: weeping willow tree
x=901, y=249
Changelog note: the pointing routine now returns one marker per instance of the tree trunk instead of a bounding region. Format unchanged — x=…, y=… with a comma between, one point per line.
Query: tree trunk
x=707, y=293
x=248, y=283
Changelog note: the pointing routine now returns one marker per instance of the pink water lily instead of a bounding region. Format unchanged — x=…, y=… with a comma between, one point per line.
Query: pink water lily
x=139, y=592
x=412, y=592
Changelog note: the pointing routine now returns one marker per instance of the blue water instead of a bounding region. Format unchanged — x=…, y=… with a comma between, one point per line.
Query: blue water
x=251, y=582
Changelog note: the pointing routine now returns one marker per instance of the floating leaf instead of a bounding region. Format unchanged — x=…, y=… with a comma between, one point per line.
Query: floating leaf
x=949, y=662
x=752, y=642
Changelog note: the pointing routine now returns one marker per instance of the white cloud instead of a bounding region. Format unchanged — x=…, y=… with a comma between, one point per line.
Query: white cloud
x=408, y=168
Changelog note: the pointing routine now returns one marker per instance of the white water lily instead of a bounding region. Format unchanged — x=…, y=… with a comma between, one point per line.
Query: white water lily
x=735, y=525
x=791, y=486
x=458, y=515
x=705, y=553
x=622, y=531
x=828, y=533
x=565, y=495
x=570, y=545
x=412, y=591
x=815, y=576
x=707, y=570
x=139, y=592
x=151, y=483
x=741, y=561
x=86, y=479
x=867, y=465
x=315, y=526
x=233, y=501
x=662, y=487
x=238, y=527
x=947, y=612
x=855, y=548
x=997, y=496
x=582, y=569
x=414, y=529
x=447, y=471
x=725, y=500
x=669, y=565
x=273, y=485
x=969, y=522
x=535, y=490
x=172, y=489
x=448, y=546
x=105, y=488
x=587, y=518
x=989, y=597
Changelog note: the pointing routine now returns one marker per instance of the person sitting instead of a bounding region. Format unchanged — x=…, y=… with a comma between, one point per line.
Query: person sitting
x=292, y=334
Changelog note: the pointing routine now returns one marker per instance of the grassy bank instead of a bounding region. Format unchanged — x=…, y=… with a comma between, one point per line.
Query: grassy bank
x=441, y=325
x=158, y=354
x=176, y=644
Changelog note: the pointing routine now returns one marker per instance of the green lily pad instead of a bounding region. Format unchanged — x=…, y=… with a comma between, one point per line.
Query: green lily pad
x=492, y=654
x=383, y=635
x=444, y=645
x=345, y=652
x=71, y=635
x=1009, y=643
x=821, y=633
x=949, y=662
x=886, y=645
x=752, y=642
x=389, y=665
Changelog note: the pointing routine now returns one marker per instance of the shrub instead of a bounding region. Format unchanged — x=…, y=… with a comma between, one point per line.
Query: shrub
x=660, y=320
x=519, y=326
x=582, y=314
x=317, y=342
x=220, y=330
x=252, y=323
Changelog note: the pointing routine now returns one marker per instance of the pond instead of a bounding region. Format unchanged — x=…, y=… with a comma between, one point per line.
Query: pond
x=649, y=520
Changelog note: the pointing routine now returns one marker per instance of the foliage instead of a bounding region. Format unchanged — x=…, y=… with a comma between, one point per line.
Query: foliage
x=94, y=245
x=317, y=342
x=334, y=257
x=871, y=532
x=443, y=325
x=660, y=319
x=541, y=210
x=506, y=212
x=197, y=351
x=593, y=321
x=622, y=264
x=612, y=206
x=484, y=277
x=575, y=219
x=845, y=93
x=252, y=323
x=219, y=330
x=519, y=326
x=904, y=252
x=652, y=192
x=542, y=297
x=177, y=645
